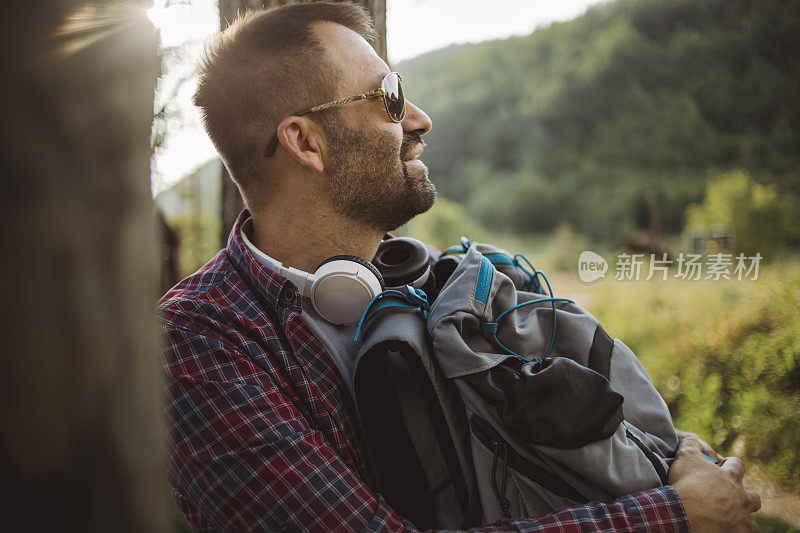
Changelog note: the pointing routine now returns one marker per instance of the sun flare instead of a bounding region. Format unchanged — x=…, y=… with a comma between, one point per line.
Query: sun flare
x=180, y=22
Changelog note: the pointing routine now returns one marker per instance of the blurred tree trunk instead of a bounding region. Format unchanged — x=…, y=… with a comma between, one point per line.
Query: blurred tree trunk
x=80, y=392
x=228, y=9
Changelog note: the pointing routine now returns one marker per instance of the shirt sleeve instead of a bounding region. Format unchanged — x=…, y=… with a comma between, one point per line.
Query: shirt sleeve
x=247, y=459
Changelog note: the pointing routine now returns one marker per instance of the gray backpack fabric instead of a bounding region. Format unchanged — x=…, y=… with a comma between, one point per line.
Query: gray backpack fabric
x=523, y=437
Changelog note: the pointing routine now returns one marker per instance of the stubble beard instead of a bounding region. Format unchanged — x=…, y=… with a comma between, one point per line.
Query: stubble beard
x=370, y=183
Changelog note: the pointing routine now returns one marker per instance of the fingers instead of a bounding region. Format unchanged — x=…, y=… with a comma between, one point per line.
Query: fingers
x=704, y=446
x=753, y=501
x=753, y=527
x=690, y=444
x=735, y=466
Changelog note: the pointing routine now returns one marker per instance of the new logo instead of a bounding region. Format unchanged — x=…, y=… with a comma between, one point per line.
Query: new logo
x=591, y=266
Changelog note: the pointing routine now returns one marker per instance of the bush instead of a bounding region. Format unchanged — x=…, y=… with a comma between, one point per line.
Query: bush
x=759, y=219
x=725, y=356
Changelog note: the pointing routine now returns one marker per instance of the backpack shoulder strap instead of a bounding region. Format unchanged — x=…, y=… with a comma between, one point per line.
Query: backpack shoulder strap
x=413, y=418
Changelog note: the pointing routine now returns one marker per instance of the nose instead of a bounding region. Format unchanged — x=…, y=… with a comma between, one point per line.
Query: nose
x=416, y=120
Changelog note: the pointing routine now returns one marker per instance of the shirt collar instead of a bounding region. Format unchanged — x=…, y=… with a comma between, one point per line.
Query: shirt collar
x=302, y=280
x=275, y=290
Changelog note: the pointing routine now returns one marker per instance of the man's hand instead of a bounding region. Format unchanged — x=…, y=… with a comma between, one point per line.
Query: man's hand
x=704, y=446
x=713, y=496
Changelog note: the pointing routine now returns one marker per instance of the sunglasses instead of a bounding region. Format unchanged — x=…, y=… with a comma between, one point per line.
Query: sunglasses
x=391, y=91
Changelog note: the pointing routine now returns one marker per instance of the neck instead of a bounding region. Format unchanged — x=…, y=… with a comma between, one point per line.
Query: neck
x=304, y=238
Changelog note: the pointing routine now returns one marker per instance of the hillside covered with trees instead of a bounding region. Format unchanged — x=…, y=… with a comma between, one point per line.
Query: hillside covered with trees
x=582, y=121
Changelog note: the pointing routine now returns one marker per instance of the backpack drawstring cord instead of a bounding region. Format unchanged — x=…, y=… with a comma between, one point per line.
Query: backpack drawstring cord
x=492, y=327
x=532, y=284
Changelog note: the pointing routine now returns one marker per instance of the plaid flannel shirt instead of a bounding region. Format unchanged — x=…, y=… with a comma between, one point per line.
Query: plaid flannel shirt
x=261, y=425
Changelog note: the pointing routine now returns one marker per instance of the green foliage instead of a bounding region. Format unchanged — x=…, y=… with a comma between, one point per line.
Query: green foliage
x=443, y=225
x=564, y=249
x=576, y=122
x=758, y=217
x=725, y=356
x=198, y=236
x=191, y=207
x=769, y=524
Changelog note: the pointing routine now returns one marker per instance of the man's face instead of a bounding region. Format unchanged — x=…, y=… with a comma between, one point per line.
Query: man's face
x=375, y=177
x=374, y=181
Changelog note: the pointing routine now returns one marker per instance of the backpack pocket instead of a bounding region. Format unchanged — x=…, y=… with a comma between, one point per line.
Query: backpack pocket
x=518, y=479
x=537, y=401
x=512, y=485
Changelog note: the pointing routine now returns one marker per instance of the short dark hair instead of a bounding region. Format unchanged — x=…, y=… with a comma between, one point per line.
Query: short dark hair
x=264, y=66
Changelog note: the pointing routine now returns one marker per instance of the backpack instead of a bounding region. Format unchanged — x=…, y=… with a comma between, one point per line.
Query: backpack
x=515, y=403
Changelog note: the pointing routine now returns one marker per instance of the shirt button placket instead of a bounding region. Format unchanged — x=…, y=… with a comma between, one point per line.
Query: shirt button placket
x=287, y=295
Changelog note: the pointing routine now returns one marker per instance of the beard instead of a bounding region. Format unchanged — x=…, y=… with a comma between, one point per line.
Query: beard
x=370, y=183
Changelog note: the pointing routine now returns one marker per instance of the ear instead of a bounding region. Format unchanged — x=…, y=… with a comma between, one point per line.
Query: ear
x=303, y=140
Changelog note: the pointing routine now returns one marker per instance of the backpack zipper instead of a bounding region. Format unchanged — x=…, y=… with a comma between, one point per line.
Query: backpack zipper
x=500, y=494
x=653, y=458
x=492, y=440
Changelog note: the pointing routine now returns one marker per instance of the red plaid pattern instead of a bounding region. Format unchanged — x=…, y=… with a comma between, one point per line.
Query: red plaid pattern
x=261, y=424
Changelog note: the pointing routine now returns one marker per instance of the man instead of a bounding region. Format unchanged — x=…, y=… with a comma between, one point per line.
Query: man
x=262, y=427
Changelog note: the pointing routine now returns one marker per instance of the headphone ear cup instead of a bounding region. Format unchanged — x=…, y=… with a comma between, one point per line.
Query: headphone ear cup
x=403, y=261
x=343, y=287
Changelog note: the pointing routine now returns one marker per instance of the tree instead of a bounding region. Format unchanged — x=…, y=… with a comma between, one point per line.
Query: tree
x=80, y=399
x=228, y=10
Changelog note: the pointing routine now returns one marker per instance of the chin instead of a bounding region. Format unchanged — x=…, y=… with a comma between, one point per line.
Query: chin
x=415, y=169
x=425, y=194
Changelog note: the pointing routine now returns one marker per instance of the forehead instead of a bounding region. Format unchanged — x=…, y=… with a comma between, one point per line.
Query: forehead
x=361, y=67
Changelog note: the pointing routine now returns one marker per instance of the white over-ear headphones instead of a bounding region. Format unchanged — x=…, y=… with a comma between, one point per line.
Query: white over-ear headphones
x=340, y=289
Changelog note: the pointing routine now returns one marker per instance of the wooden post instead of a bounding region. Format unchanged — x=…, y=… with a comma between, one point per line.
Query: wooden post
x=80, y=393
x=231, y=200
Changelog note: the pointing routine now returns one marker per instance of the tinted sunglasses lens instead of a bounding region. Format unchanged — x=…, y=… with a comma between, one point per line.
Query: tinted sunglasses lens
x=393, y=96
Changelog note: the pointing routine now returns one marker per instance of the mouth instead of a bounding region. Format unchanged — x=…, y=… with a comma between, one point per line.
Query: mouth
x=414, y=153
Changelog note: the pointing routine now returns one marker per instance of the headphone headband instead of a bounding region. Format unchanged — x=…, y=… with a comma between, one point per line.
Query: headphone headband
x=340, y=288
x=343, y=285
x=301, y=279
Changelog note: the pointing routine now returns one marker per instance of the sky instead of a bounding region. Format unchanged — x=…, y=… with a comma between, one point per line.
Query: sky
x=417, y=26
x=413, y=27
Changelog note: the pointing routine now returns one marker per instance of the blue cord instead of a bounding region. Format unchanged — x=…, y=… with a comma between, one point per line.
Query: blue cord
x=516, y=262
x=532, y=284
x=492, y=327
x=413, y=299
x=536, y=274
x=555, y=313
x=459, y=248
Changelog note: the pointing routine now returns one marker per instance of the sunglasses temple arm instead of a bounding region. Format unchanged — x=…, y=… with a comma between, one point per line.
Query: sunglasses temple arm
x=272, y=146
x=342, y=101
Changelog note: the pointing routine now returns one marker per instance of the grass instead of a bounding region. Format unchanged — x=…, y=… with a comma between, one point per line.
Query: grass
x=769, y=524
